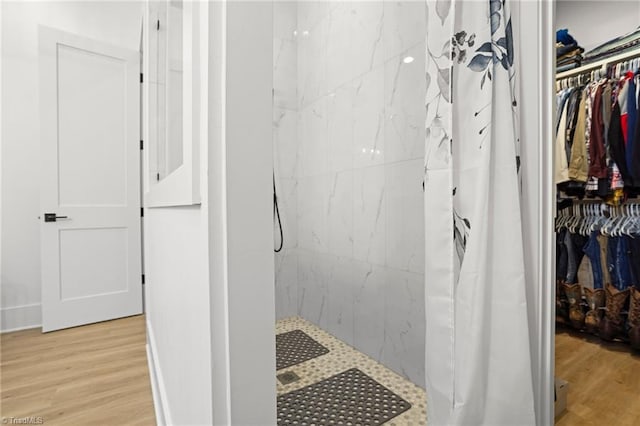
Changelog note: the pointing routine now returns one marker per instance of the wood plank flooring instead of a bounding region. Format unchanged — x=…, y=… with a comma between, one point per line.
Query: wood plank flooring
x=95, y=374
x=604, y=381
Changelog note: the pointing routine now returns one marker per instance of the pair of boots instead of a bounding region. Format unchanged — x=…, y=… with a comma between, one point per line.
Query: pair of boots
x=595, y=300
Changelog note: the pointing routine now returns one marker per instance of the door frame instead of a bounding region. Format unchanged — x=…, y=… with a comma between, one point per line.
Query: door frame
x=537, y=105
x=548, y=207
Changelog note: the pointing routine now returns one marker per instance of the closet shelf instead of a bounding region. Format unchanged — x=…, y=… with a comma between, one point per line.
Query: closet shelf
x=602, y=64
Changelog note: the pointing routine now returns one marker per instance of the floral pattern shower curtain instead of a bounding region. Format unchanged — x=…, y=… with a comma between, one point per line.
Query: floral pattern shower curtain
x=477, y=356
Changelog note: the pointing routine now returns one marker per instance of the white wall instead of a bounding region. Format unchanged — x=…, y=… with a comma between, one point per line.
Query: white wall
x=249, y=167
x=177, y=309
x=593, y=22
x=113, y=22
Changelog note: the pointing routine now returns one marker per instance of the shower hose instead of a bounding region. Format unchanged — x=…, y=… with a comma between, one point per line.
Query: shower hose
x=276, y=214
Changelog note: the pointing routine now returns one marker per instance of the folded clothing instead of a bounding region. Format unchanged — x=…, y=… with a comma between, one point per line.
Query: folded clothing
x=613, y=47
x=567, y=67
x=569, y=59
x=562, y=49
x=568, y=52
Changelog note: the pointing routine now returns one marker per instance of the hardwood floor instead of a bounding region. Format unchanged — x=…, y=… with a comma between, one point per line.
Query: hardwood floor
x=95, y=374
x=604, y=381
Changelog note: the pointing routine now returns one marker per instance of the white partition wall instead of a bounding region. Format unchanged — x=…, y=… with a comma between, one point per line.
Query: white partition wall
x=210, y=267
x=240, y=221
x=177, y=285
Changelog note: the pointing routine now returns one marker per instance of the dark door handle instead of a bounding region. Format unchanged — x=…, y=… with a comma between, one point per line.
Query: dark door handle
x=51, y=217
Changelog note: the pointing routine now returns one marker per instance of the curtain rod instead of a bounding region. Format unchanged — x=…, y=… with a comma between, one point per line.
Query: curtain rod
x=599, y=64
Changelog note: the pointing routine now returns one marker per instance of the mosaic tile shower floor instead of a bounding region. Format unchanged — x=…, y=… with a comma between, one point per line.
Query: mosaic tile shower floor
x=342, y=357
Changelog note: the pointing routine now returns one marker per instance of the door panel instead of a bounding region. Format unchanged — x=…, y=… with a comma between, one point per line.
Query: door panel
x=90, y=131
x=99, y=271
x=92, y=117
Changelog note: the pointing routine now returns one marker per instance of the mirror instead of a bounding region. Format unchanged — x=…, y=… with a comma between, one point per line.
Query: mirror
x=169, y=88
x=173, y=74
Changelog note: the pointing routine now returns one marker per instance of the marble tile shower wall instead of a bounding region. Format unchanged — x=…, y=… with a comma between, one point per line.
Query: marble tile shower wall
x=286, y=148
x=352, y=175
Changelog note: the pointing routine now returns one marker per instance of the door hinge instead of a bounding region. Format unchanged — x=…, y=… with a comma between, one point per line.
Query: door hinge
x=141, y=211
x=142, y=278
x=141, y=145
x=158, y=25
x=157, y=176
x=141, y=77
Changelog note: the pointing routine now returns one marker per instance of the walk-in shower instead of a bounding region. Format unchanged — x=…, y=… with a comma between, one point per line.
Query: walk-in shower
x=348, y=132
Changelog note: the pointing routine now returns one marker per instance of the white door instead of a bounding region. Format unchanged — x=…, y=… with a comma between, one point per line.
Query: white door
x=90, y=171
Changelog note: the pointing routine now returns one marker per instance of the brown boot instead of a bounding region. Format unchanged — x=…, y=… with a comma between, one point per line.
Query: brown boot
x=595, y=300
x=612, y=325
x=634, y=318
x=574, y=296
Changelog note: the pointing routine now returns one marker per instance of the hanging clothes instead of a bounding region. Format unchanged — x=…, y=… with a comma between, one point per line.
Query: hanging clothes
x=475, y=289
x=592, y=250
x=579, y=167
x=598, y=258
x=562, y=163
x=616, y=142
x=631, y=126
x=597, y=126
x=597, y=157
x=635, y=155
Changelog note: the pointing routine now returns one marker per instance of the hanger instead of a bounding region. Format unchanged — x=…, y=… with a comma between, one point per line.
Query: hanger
x=607, y=225
x=593, y=218
x=576, y=220
x=586, y=219
x=615, y=227
x=633, y=224
x=622, y=223
x=599, y=218
x=629, y=225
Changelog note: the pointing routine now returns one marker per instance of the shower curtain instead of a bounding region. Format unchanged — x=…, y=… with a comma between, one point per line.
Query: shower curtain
x=477, y=356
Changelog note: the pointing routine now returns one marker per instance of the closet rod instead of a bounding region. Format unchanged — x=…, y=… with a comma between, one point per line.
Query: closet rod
x=586, y=201
x=599, y=64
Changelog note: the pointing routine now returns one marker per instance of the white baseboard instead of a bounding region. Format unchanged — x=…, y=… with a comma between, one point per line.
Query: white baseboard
x=160, y=402
x=23, y=317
